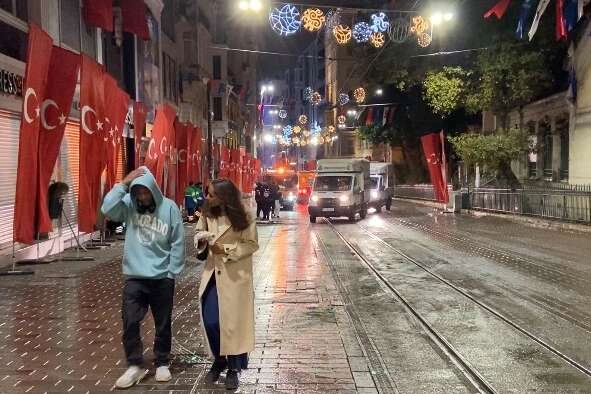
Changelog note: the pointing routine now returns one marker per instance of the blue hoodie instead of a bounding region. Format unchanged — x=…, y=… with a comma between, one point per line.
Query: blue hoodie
x=154, y=242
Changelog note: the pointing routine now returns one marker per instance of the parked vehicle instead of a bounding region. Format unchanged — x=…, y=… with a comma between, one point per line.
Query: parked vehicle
x=341, y=188
x=382, y=185
x=305, y=184
x=287, y=180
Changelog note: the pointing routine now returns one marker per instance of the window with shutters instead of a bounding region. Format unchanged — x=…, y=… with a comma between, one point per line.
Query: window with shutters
x=13, y=29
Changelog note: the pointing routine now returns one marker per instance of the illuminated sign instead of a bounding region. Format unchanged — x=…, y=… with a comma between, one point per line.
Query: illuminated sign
x=11, y=83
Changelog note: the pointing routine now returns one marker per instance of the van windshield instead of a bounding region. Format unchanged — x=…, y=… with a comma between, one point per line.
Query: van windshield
x=332, y=183
x=375, y=180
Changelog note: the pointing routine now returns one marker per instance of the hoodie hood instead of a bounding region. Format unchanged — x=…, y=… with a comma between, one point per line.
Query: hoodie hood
x=148, y=181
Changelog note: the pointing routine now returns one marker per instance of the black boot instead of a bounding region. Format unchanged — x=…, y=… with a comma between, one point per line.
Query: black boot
x=218, y=366
x=232, y=379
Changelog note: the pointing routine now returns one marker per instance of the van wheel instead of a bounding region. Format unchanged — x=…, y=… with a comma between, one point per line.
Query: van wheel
x=389, y=204
x=352, y=218
x=312, y=219
x=363, y=213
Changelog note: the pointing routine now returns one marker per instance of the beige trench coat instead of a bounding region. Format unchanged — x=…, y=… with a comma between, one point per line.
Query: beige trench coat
x=234, y=282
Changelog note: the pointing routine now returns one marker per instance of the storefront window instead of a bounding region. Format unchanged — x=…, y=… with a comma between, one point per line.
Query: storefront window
x=17, y=8
x=13, y=39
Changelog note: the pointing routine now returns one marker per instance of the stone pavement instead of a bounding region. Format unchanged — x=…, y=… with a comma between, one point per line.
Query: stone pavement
x=61, y=328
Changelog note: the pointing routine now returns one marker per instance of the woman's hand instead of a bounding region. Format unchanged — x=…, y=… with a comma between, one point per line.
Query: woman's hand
x=217, y=249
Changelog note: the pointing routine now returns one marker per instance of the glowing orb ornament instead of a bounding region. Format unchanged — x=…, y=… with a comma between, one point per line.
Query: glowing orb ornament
x=308, y=93
x=399, y=30
x=344, y=99
x=419, y=25
x=303, y=119
x=359, y=95
x=316, y=98
x=424, y=40
x=297, y=129
x=313, y=19
x=342, y=34
x=342, y=119
x=361, y=32
x=287, y=131
x=333, y=19
x=285, y=20
x=379, y=23
x=377, y=39
x=331, y=129
x=306, y=133
x=282, y=113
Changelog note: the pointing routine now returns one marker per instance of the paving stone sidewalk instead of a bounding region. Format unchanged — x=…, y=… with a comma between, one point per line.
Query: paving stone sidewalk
x=60, y=329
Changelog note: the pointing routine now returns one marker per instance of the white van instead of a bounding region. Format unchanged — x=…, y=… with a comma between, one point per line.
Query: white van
x=382, y=185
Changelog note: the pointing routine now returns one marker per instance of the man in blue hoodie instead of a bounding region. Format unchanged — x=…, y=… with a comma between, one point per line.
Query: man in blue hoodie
x=153, y=256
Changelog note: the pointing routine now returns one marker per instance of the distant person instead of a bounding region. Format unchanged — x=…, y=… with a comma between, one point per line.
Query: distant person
x=268, y=201
x=190, y=203
x=259, y=199
x=226, y=238
x=153, y=256
x=276, y=196
x=198, y=196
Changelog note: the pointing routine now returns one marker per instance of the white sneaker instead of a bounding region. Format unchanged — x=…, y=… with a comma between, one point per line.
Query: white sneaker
x=163, y=374
x=133, y=375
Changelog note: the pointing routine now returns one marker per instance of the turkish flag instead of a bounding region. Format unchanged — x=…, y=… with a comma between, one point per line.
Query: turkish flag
x=235, y=168
x=133, y=13
x=225, y=157
x=195, y=147
x=561, y=32
x=159, y=147
x=434, y=148
x=63, y=71
x=36, y=76
x=99, y=13
x=92, y=145
x=139, y=124
x=181, y=131
x=498, y=10
x=116, y=108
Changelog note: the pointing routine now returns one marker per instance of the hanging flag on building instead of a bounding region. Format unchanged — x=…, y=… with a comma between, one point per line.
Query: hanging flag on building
x=573, y=12
x=133, y=13
x=498, y=10
x=159, y=147
x=524, y=15
x=139, y=124
x=36, y=76
x=561, y=31
x=116, y=108
x=434, y=149
x=542, y=5
x=99, y=13
x=92, y=146
x=181, y=137
x=54, y=111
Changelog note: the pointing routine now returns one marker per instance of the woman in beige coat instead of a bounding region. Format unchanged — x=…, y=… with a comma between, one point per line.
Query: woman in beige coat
x=227, y=239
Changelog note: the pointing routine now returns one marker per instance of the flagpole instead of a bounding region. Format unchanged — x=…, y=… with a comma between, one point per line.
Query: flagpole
x=13, y=271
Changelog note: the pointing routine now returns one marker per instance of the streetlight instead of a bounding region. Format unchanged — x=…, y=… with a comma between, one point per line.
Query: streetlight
x=379, y=92
x=268, y=138
x=250, y=5
x=439, y=17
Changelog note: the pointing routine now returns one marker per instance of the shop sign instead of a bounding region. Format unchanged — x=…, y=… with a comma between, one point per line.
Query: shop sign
x=11, y=83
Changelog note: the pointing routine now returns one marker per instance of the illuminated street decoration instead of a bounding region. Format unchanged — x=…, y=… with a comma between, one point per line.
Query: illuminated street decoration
x=308, y=93
x=424, y=40
x=419, y=25
x=342, y=34
x=344, y=99
x=303, y=119
x=399, y=30
x=313, y=19
x=359, y=95
x=282, y=114
x=297, y=129
x=316, y=98
x=377, y=39
x=286, y=20
x=379, y=23
x=361, y=32
x=342, y=119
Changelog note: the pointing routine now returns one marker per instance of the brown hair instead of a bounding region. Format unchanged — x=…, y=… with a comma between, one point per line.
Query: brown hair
x=231, y=204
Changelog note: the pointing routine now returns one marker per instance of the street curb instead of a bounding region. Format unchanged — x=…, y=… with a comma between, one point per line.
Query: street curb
x=527, y=220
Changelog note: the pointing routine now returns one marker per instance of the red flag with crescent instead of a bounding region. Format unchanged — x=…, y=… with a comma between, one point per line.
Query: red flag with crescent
x=63, y=71
x=158, y=150
x=36, y=73
x=139, y=124
x=181, y=130
x=434, y=148
x=116, y=108
x=92, y=145
x=498, y=10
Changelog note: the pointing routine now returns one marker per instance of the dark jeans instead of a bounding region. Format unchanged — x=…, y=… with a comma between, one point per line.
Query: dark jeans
x=211, y=321
x=138, y=295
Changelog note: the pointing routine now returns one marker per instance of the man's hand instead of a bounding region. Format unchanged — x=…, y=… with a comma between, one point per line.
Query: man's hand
x=217, y=249
x=138, y=172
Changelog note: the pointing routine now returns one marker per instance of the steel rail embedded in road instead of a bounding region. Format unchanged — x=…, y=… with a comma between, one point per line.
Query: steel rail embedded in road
x=569, y=360
x=467, y=370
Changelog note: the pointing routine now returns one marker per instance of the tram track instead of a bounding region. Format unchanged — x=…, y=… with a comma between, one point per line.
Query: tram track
x=469, y=371
x=472, y=375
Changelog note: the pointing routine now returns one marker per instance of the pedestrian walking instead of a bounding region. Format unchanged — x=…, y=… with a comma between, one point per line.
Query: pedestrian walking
x=190, y=203
x=153, y=256
x=226, y=238
x=276, y=197
x=267, y=201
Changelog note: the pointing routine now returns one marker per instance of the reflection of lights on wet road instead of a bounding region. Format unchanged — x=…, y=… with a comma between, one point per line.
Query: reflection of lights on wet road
x=375, y=220
x=371, y=210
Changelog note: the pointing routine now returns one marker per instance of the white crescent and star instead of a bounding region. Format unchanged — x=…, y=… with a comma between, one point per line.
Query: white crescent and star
x=181, y=152
x=150, y=148
x=30, y=92
x=85, y=127
x=46, y=104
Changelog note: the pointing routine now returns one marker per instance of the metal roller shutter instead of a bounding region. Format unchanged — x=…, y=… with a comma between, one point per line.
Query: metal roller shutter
x=69, y=162
x=9, y=130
